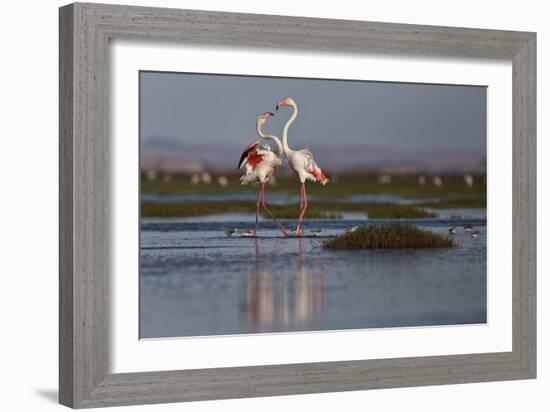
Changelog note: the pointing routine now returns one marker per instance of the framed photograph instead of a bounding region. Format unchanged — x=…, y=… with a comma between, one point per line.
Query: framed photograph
x=256, y=205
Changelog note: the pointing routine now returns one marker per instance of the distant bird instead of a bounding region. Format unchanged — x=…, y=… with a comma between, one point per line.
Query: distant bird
x=195, y=179
x=352, y=229
x=248, y=233
x=301, y=161
x=223, y=181
x=232, y=232
x=468, y=228
x=469, y=180
x=475, y=234
x=317, y=232
x=206, y=178
x=261, y=162
x=452, y=230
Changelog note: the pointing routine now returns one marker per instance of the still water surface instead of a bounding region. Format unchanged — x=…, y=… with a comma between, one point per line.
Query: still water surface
x=196, y=281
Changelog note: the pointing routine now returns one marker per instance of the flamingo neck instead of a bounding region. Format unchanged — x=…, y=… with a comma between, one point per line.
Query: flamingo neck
x=287, y=149
x=270, y=137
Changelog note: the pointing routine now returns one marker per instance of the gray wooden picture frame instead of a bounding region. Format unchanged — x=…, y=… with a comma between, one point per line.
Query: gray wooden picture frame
x=85, y=31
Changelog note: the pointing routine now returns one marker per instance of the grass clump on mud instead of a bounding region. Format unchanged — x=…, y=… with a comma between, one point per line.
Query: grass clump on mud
x=192, y=209
x=316, y=210
x=388, y=236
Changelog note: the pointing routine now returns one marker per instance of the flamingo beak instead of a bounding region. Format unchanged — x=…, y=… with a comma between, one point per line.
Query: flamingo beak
x=271, y=114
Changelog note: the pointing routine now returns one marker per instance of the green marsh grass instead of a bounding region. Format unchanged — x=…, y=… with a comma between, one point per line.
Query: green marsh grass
x=340, y=186
x=319, y=210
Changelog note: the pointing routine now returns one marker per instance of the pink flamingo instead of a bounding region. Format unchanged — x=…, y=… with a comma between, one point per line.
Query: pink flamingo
x=261, y=163
x=301, y=161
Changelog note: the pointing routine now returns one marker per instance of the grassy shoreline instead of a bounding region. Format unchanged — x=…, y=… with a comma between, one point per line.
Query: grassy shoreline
x=330, y=200
x=339, y=187
x=319, y=210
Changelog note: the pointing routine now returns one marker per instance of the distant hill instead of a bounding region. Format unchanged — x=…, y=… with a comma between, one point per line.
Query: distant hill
x=169, y=154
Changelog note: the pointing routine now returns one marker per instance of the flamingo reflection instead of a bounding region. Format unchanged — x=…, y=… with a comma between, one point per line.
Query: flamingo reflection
x=285, y=299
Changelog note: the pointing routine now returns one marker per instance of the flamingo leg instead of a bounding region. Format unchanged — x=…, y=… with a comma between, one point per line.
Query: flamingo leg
x=258, y=203
x=298, y=230
x=303, y=207
x=269, y=211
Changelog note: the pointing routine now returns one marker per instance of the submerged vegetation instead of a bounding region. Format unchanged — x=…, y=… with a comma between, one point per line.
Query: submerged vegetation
x=456, y=203
x=388, y=236
x=316, y=210
x=372, y=210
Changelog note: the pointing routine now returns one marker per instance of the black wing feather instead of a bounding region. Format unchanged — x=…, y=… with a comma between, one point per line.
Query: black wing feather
x=242, y=159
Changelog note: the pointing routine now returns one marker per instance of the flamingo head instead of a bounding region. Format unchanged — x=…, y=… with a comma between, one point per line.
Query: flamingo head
x=263, y=117
x=287, y=101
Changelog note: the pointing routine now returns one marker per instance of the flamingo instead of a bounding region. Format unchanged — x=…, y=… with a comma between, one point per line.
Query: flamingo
x=261, y=163
x=301, y=161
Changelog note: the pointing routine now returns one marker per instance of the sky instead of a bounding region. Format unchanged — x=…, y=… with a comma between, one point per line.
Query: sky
x=346, y=124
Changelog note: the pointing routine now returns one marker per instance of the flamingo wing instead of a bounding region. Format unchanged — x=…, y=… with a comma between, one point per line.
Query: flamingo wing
x=308, y=158
x=253, y=155
x=250, y=156
x=312, y=168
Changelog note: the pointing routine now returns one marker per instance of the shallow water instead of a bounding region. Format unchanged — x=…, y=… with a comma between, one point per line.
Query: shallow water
x=196, y=281
x=279, y=198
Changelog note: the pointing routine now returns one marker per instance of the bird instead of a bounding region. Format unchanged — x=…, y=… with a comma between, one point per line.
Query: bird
x=352, y=229
x=475, y=234
x=317, y=232
x=452, y=230
x=261, y=162
x=301, y=161
x=468, y=228
x=232, y=232
x=248, y=233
